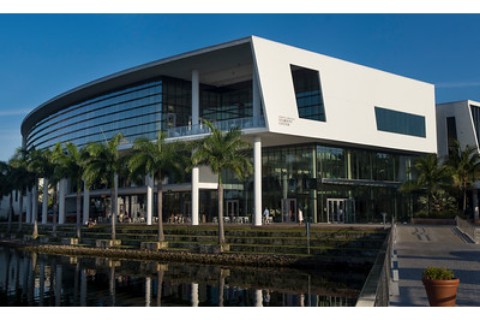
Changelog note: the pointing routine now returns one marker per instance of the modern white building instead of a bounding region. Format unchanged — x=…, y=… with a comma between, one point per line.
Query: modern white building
x=459, y=121
x=330, y=137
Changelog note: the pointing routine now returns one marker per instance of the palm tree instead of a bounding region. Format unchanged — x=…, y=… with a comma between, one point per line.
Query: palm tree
x=463, y=166
x=21, y=178
x=41, y=165
x=431, y=178
x=223, y=151
x=103, y=161
x=69, y=164
x=54, y=177
x=157, y=158
x=6, y=188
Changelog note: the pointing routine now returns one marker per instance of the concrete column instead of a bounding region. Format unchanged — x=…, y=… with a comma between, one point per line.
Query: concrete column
x=257, y=160
x=34, y=203
x=86, y=203
x=255, y=97
x=258, y=298
x=195, y=123
x=148, y=291
x=150, y=182
x=195, y=98
x=28, y=209
x=194, y=294
x=195, y=195
x=61, y=201
x=45, y=201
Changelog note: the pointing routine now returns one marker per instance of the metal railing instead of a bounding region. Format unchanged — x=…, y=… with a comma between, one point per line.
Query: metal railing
x=241, y=123
x=376, y=289
x=467, y=228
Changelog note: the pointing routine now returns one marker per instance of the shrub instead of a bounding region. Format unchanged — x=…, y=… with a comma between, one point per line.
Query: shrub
x=437, y=273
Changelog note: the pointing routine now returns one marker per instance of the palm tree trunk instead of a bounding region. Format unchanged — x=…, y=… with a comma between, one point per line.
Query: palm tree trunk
x=55, y=211
x=221, y=232
x=161, y=235
x=114, y=205
x=10, y=212
x=159, y=287
x=79, y=198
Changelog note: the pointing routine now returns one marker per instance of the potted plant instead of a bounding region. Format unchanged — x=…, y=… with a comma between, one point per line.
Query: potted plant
x=441, y=286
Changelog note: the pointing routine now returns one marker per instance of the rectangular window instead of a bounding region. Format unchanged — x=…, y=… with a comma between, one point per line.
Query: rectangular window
x=451, y=132
x=400, y=122
x=308, y=93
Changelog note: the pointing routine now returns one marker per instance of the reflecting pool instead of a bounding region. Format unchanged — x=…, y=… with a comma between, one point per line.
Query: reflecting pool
x=30, y=279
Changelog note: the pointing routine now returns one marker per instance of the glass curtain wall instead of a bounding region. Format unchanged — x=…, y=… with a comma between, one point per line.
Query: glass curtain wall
x=134, y=111
x=320, y=179
x=225, y=103
x=140, y=110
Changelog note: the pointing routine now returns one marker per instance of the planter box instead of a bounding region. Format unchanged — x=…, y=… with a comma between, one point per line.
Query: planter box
x=212, y=248
x=70, y=241
x=106, y=244
x=154, y=245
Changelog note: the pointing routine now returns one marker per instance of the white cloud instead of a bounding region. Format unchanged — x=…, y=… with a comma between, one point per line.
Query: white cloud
x=13, y=112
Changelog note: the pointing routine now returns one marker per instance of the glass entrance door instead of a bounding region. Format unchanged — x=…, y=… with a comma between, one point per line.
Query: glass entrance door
x=340, y=210
x=232, y=209
x=289, y=210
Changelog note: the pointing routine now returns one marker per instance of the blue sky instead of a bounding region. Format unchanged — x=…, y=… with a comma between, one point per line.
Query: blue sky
x=42, y=56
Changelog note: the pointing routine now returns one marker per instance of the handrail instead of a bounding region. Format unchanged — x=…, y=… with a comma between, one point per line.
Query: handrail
x=375, y=291
x=224, y=125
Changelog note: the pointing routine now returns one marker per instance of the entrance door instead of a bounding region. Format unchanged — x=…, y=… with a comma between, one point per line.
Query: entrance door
x=289, y=210
x=232, y=209
x=340, y=210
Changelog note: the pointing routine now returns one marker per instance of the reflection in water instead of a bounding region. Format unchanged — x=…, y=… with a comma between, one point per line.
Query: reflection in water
x=28, y=279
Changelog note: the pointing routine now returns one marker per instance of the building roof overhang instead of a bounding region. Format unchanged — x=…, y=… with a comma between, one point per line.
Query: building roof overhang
x=217, y=65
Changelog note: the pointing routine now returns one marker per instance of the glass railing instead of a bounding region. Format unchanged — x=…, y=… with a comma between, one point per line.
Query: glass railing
x=225, y=125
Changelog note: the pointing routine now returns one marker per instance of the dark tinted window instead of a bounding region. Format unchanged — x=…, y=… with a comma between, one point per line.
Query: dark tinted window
x=400, y=122
x=308, y=93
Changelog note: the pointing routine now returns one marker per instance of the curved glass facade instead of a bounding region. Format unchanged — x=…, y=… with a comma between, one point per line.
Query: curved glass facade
x=142, y=110
x=134, y=111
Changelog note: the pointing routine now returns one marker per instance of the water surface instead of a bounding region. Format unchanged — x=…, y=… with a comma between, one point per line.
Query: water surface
x=30, y=279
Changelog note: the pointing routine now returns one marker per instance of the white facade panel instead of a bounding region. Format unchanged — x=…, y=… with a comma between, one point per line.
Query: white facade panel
x=464, y=124
x=350, y=94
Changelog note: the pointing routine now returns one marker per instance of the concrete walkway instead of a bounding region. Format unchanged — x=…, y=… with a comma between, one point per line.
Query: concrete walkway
x=417, y=247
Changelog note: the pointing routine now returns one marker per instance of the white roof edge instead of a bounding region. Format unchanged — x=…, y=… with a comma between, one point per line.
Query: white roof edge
x=121, y=73
x=256, y=38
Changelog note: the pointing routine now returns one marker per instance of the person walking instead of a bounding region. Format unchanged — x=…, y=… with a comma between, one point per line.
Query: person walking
x=300, y=216
x=266, y=216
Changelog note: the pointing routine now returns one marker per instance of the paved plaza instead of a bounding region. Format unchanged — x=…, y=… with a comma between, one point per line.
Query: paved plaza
x=419, y=246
